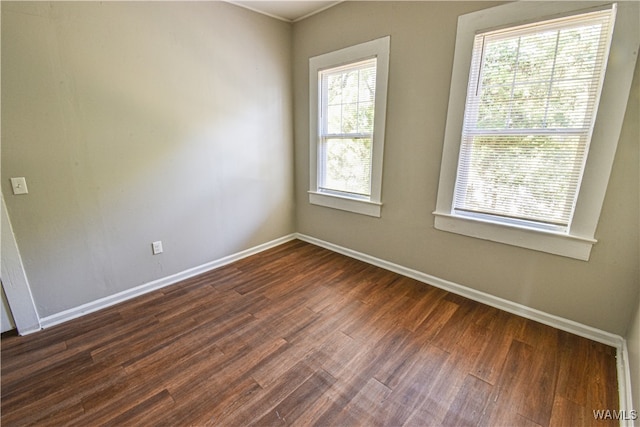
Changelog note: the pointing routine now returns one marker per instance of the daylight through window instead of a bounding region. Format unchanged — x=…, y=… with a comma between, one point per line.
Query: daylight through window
x=347, y=110
x=531, y=105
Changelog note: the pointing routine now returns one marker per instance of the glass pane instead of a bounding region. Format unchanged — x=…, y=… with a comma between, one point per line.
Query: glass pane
x=350, y=87
x=499, y=62
x=334, y=89
x=365, y=117
x=528, y=108
x=334, y=118
x=348, y=165
x=529, y=177
x=349, y=93
x=495, y=104
x=349, y=118
x=577, y=52
x=535, y=56
x=518, y=72
x=569, y=105
x=367, y=84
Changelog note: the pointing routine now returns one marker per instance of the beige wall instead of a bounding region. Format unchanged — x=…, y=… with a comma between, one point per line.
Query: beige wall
x=601, y=293
x=142, y=121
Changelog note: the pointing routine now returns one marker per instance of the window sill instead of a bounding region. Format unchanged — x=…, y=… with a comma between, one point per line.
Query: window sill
x=364, y=207
x=566, y=245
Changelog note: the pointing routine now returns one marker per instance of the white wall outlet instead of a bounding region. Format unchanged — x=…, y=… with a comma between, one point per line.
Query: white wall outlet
x=156, y=247
x=19, y=185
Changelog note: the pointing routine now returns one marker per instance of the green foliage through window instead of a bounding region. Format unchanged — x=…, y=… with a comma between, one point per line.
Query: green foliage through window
x=530, y=108
x=347, y=117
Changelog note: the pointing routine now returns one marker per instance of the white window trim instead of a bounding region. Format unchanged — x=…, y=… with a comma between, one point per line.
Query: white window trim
x=578, y=241
x=375, y=48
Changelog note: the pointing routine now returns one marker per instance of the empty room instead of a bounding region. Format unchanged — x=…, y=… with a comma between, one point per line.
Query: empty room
x=332, y=213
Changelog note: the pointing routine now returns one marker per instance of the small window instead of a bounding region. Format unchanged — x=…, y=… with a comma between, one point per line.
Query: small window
x=522, y=156
x=348, y=100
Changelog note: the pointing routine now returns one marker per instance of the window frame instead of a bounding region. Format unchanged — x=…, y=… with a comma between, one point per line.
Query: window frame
x=372, y=205
x=578, y=240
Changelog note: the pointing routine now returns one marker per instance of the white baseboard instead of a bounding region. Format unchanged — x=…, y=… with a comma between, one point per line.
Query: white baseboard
x=622, y=362
x=624, y=384
x=105, y=302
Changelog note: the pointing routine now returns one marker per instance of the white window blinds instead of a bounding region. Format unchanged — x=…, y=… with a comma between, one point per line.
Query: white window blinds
x=347, y=95
x=531, y=105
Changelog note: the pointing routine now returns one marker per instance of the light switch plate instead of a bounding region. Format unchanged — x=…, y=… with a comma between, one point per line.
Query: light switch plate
x=156, y=247
x=19, y=185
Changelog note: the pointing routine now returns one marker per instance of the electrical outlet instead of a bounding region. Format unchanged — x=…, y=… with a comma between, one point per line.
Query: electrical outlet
x=19, y=185
x=156, y=247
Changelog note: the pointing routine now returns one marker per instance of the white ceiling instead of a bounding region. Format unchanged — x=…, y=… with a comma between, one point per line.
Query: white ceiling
x=290, y=11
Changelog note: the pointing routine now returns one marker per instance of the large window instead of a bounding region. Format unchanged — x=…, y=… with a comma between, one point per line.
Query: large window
x=529, y=114
x=347, y=104
x=524, y=143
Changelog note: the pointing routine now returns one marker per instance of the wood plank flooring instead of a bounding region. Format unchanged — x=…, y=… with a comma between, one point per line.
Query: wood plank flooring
x=298, y=335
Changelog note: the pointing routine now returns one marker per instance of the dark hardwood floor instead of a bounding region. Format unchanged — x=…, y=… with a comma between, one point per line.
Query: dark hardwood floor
x=303, y=336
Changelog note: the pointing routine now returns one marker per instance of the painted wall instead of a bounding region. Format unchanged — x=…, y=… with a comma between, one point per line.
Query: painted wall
x=142, y=121
x=602, y=292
